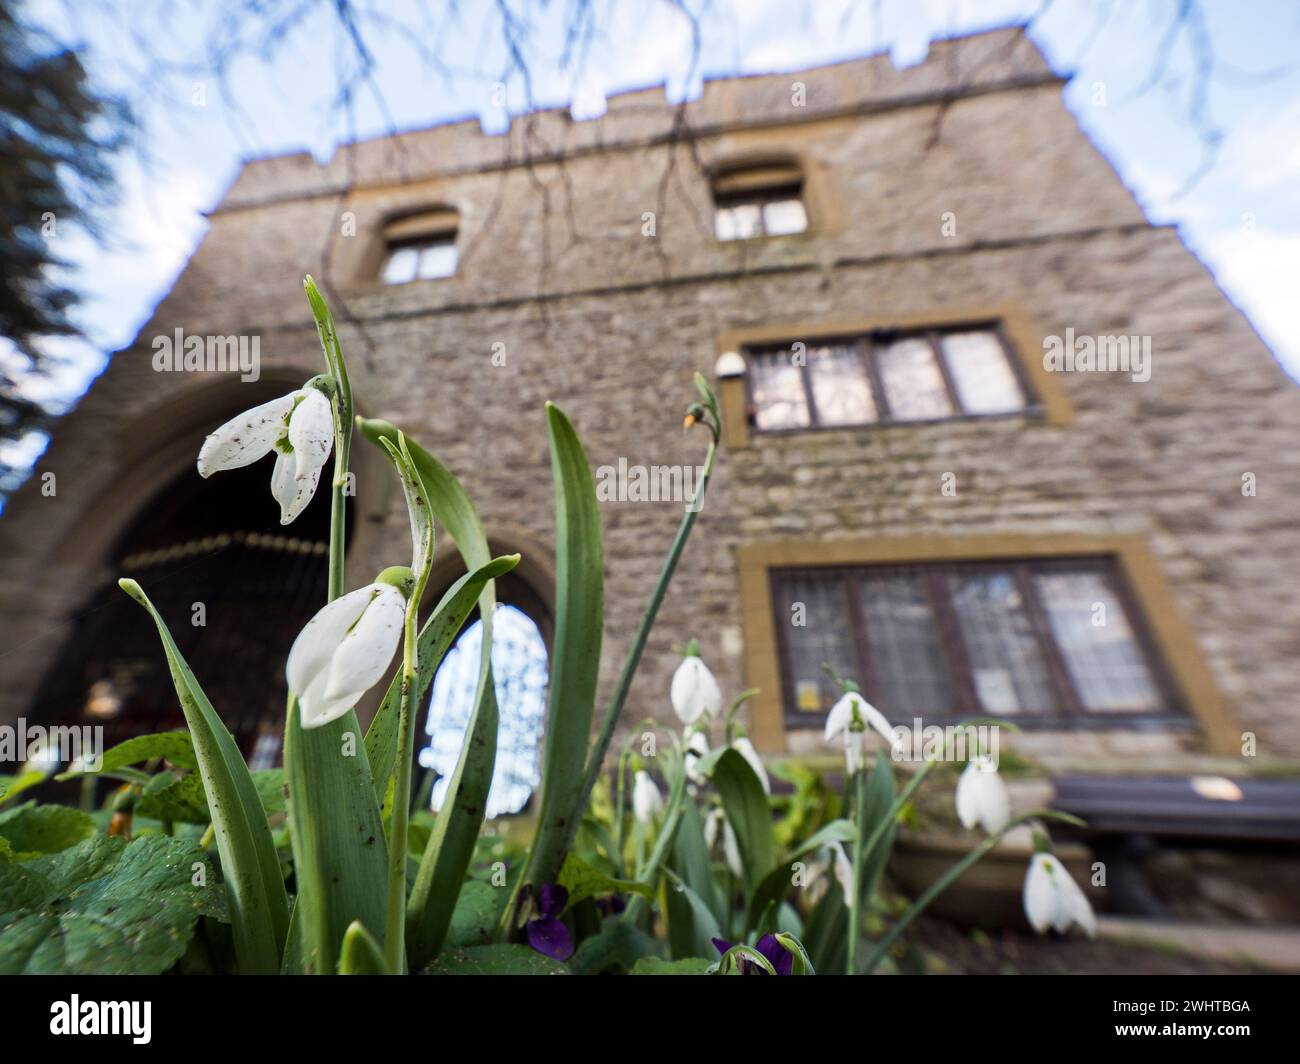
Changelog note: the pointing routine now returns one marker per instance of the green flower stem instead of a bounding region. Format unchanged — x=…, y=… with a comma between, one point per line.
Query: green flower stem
x=649, y=869
x=859, y=859
x=329, y=339
x=943, y=883
x=395, y=931
x=597, y=757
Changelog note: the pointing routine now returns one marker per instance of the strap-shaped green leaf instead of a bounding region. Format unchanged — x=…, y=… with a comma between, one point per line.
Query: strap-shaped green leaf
x=745, y=803
x=259, y=908
x=361, y=954
x=340, y=857
x=575, y=662
x=451, y=845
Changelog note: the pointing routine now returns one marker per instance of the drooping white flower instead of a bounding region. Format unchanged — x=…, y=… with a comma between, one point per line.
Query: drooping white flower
x=695, y=691
x=697, y=747
x=850, y=717
x=344, y=651
x=647, y=802
x=1053, y=899
x=745, y=749
x=982, y=797
x=843, y=872
x=298, y=426
x=730, y=846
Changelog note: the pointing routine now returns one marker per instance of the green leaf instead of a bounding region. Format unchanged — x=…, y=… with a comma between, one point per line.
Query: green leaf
x=451, y=845
x=174, y=746
x=685, y=966
x=103, y=907
x=801, y=965
x=730, y=964
x=581, y=880
x=826, y=927
x=434, y=640
x=745, y=803
x=170, y=797
x=32, y=829
x=259, y=908
x=692, y=926
x=339, y=852
x=361, y=954
x=13, y=786
x=616, y=947
x=270, y=788
x=575, y=660
x=478, y=909
x=495, y=960
x=692, y=862
x=879, y=804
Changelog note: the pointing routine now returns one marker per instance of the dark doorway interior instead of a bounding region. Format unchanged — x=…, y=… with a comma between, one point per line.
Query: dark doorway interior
x=234, y=587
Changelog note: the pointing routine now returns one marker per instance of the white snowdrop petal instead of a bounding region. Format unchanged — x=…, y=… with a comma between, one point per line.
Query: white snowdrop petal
x=293, y=494
x=245, y=438
x=1076, y=905
x=323, y=710
x=731, y=849
x=844, y=873
x=711, y=827
x=745, y=749
x=311, y=433
x=994, y=802
x=365, y=653
x=320, y=637
x=646, y=799
x=967, y=805
x=694, y=691
x=840, y=716
x=875, y=719
x=1039, y=894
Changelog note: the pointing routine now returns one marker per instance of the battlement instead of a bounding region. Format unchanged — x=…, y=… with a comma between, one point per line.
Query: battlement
x=1004, y=58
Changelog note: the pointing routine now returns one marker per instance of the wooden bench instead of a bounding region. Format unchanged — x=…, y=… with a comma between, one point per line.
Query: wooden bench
x=1129, y=818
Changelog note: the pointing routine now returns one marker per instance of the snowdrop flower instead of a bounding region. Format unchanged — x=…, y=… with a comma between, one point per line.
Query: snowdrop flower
x=850, y=716
x=647, y=802
x=1053, y=899
x=697, y=748
x=982, y=797
x=843, y=872
x=730, y=847
x=345, y=649
x=745, y=749
x=299, y=427
x=694, y=692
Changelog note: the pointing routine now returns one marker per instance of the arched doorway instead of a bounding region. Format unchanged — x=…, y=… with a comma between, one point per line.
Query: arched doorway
x=234, y=586
x=521, y=631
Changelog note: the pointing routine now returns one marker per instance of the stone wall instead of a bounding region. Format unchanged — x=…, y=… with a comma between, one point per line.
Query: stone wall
x=609, y=324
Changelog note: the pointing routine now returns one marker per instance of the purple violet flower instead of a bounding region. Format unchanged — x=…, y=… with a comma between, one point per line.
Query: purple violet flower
x=776, y=955
x=547, y=933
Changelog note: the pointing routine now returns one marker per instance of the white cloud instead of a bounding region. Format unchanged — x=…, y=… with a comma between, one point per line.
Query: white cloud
x=1258, y=270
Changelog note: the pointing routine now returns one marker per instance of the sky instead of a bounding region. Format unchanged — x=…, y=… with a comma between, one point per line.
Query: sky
x=1241, y=216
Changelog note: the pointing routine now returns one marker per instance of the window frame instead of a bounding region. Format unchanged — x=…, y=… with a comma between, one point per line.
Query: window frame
x=867, y=345
x=448, y=238
x=761, y=196
x=1069, y=713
